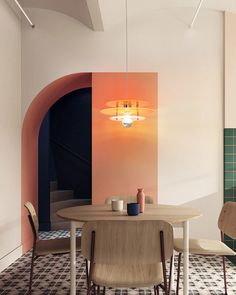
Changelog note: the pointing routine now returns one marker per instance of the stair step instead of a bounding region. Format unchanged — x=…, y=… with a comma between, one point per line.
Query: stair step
x=65, y=204
x=61, y=195
x=62, y=225
x=53, y=186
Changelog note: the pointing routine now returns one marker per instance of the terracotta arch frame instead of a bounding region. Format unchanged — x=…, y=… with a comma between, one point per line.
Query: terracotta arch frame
x=30, y=131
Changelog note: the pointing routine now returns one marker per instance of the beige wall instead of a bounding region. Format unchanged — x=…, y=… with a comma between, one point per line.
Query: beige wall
x=190, y=69
x=190, y=131
x=10, y=94
x=230, y=70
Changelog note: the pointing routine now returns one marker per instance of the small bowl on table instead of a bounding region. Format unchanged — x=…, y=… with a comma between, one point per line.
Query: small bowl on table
x=117, y=205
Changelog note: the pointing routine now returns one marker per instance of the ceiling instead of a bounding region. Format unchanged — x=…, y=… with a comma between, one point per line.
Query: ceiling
x=85, y=11
x=97, y=14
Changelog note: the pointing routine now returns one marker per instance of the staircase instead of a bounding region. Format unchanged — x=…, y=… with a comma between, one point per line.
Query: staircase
x=60, y=199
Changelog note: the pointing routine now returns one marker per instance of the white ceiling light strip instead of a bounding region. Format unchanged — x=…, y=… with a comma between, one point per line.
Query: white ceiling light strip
x=25, y=14
x=196, y=14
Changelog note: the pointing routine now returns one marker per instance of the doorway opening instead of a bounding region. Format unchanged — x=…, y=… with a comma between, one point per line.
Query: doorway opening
x=33, y=118
x=64, y=154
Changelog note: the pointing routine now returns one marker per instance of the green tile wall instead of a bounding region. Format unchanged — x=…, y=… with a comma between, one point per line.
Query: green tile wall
x=230, y=175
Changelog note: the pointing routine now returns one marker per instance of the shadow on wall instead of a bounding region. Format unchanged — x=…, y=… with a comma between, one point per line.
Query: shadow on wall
x=205, y=226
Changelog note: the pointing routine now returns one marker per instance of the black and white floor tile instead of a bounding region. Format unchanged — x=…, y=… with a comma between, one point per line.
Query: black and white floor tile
x=47, y=235
x=52, y=275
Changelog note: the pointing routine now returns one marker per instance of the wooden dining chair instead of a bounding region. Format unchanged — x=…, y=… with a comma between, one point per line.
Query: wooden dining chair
x=45, y=247
x=227, y=226
x=127, y=254
x=128, y=199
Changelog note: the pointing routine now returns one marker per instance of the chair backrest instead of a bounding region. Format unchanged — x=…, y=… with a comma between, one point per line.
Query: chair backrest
x=128, y=199
x=33, y=218
x=227, y=219
x=127, y=242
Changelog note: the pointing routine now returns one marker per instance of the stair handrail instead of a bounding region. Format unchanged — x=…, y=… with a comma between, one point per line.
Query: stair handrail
x=66, y=148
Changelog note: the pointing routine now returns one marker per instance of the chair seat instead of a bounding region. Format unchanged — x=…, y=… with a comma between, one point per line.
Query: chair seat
x=128, y=276
x=55, y=246
x=204, y=247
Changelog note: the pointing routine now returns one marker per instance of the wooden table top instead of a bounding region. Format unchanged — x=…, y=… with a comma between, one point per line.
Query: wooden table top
x=172, y=214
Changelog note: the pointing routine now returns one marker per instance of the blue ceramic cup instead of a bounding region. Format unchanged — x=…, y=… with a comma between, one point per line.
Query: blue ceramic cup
x=133, y=209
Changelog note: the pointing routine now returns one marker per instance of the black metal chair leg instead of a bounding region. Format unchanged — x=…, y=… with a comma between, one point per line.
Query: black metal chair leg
x=91, y=264
x=87, y=271
x=31, y=270
x=104, y=290
x=178, y=274
x=224, y=270
x=157, y=290
x=170, y=275
x=98, y=290
x=91, y=288
x=163, y=262
x=94, y=289
x=88, y=290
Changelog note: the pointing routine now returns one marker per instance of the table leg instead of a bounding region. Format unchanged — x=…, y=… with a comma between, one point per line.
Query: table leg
x=72, y=258
x=186, y=257
x=173, y=273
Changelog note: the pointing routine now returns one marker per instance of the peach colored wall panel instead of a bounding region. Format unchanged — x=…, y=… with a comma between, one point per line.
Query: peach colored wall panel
x=124, y=159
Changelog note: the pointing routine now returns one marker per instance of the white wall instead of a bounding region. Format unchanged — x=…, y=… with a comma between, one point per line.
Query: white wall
x=10, y=130
x=230, y=70
x=190, y=67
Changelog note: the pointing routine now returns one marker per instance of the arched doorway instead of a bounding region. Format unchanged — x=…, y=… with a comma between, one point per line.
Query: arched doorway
x=30, y=130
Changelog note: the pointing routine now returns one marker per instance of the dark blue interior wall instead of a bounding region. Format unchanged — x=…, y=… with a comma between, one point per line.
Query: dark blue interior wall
x=71, y=141
x=65, y=149
x=52, y=168
x=44, y=174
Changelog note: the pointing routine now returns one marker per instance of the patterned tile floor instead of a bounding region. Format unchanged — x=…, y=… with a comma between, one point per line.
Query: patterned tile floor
x=52, y=276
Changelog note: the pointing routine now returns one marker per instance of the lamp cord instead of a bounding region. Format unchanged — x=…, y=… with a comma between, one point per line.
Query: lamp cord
x=126, y=34
x=126, y=47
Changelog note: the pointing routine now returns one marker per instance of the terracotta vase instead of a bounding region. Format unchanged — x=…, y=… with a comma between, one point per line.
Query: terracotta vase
x=141, y=199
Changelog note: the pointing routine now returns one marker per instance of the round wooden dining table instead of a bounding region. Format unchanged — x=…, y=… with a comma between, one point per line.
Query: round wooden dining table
x=173, y=214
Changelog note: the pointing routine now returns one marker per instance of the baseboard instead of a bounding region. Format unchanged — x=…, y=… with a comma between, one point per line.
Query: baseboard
x=10, y=258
